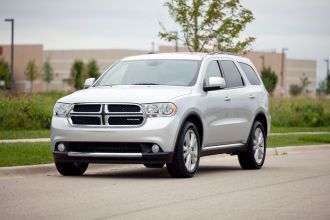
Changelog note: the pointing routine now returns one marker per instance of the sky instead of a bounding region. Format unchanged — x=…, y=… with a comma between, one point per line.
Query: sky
x=301, y=26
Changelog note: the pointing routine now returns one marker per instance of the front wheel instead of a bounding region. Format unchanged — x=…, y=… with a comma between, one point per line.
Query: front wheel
x=255, y=155
x=71, y=169
x=187, y=153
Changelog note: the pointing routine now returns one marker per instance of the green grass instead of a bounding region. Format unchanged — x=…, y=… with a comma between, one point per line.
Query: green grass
x=297, y=129
x=294, y=140
x=22, y=134
x=15, y=154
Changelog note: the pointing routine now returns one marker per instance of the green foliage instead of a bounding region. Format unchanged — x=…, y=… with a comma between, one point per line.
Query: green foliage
x=300, y=112
x=77, y=72
x=202, y=22
x=5, y=73
x=31, y=72
x=27, y=112
x=269, y=79
x=48, y=72
x=92, y=69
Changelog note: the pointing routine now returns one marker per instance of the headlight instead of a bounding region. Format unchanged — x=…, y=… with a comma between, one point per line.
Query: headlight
x=62, y=109
x=160, y=109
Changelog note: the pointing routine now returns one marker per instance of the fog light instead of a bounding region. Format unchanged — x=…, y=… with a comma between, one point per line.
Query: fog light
x=61, y=147
x=155, y=148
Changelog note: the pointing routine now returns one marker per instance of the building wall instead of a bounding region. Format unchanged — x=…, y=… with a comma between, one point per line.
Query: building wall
x=61, y=61
x=22, y=55
x=297, y=69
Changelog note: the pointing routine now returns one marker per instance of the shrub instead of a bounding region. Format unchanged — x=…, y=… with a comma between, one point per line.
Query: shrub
x=27, y=112
x=300, y=112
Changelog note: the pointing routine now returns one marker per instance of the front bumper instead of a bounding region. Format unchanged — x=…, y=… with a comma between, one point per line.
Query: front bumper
x=161, y=131
x=145, y=158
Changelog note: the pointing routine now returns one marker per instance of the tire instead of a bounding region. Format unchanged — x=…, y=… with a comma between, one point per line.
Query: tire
x=71, y=169
x=255, y=154
x=187, y=153
x=154, y=165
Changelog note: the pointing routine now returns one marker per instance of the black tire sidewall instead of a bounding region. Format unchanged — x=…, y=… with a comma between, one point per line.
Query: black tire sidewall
x=250, y=150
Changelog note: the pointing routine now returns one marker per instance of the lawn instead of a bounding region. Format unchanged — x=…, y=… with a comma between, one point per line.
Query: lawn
x=290, y=140
x=15, y=154
x=297, y=129
x=21, y=134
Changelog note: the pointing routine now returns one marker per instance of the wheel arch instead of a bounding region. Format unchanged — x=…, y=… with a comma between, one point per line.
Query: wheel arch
x=195, y=118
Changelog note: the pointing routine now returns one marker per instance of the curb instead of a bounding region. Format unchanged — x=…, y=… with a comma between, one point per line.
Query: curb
x=45, y=169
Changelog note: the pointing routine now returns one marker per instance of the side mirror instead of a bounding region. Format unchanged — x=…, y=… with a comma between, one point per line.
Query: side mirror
x=215, y=83
x=89, y=82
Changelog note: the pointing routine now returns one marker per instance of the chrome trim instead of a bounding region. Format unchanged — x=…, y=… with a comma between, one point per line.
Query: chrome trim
x=222, y=146
x=106, y=114
x=113, y=155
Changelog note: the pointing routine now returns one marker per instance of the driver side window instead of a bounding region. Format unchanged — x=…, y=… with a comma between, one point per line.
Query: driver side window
x=212, y=70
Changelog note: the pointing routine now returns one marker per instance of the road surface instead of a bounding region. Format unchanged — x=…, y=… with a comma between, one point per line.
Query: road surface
x=292, y=186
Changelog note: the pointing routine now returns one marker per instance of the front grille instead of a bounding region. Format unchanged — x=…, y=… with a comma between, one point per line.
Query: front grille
x=104, y=147
x=107, y=115
x=87, y=108
x=85, y=120
x=125, y=120
x=123, y=108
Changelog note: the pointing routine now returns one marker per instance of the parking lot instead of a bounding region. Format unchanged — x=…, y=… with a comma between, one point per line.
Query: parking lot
x=290, y=186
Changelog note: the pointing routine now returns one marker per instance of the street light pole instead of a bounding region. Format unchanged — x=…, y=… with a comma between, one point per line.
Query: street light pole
x=282, y=71
x=328, y=71
x=262, y=61
x=11, y=55
x=176, y=40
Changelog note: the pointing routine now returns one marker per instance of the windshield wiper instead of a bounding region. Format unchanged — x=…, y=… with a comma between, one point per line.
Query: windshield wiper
x=145, y=84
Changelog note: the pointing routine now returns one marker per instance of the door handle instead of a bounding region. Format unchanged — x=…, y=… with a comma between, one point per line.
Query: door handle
x=227, y=98
x=251, y=96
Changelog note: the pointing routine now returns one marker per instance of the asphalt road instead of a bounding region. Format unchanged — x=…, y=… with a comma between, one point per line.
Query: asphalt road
x=293, y=186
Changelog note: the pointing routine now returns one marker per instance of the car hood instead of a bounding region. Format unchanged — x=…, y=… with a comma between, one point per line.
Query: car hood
x=127, y=93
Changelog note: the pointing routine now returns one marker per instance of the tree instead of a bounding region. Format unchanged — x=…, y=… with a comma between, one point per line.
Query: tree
x=92, y=69
x=77, y=71
x=48, y=72
x=299, y=89
x=269, y=79
x=5, y=73
x=31, y=72
x=214, y=21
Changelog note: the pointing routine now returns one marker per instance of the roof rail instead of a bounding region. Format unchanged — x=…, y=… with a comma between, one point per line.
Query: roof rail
x=224, y=52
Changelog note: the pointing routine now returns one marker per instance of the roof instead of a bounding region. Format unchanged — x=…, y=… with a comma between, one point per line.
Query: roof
x=184, y=55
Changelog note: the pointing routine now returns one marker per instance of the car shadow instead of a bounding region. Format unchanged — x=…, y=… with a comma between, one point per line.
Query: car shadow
x=156, y=173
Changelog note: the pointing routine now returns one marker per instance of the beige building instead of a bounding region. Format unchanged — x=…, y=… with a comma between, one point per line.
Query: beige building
x=61, y=61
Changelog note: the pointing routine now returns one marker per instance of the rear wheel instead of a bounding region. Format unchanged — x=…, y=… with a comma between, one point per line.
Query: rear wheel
x=71, y=169
x=154, y=165
x=255, y=155
x=187, y=153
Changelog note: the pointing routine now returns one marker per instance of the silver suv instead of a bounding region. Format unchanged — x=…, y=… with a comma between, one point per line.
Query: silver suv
x=162, y=109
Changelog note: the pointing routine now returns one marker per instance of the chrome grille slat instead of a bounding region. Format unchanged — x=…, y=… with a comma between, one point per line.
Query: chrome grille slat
x=109, y=115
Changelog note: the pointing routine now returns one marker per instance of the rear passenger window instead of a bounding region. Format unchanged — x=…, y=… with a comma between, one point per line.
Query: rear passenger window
x=231, y=74
x=250, y=74
x=212, y=70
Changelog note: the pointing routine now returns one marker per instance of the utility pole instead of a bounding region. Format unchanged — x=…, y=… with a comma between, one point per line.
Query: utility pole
x=176, y=40
x=328, y=71
x=282, y=72
x=12, y=84
x=263, y=61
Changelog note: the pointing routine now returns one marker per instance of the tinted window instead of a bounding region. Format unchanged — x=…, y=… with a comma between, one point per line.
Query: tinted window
x=250, y=74
x=231, y=74
x=212, y=70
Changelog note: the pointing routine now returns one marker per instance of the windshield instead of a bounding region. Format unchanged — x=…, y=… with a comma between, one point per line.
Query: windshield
x=152, y=72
